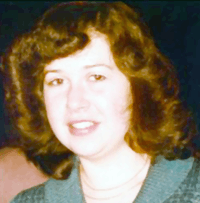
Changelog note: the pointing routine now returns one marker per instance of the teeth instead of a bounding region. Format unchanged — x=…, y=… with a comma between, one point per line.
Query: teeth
x=83, y=125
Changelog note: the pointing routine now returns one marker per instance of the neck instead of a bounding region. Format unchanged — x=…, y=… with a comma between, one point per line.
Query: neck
x=114, y=169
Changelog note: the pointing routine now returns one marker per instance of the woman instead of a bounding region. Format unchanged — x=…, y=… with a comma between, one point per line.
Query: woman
x=95, y=100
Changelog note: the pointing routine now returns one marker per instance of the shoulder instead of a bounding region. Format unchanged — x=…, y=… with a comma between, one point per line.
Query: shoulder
x=189, y=189
x=32, y=195
x=192, y=181
x=53, y=191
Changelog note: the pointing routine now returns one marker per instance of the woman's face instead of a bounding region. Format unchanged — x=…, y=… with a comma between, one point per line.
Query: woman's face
x=86, y=98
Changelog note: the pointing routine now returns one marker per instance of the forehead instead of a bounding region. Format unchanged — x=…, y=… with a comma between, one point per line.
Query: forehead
x=96, y=52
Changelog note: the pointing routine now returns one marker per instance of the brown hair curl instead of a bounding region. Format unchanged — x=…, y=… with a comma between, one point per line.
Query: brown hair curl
x=160, y=124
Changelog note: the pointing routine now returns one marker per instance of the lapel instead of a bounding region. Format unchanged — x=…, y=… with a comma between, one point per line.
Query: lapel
x=164, y=177
x=65, y=191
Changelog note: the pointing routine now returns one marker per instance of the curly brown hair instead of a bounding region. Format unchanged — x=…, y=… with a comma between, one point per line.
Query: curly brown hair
x=160, y=124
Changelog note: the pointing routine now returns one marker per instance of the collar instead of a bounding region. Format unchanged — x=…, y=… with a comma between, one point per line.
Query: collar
x=69, y=190
x=163, y=178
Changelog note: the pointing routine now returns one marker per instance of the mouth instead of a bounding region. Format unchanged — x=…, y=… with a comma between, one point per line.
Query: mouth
x=80, y=128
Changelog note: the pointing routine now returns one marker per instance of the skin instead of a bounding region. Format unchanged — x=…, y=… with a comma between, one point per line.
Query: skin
x=100, y=93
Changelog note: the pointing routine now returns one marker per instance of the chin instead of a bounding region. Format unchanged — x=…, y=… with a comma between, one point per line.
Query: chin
x=89, y=153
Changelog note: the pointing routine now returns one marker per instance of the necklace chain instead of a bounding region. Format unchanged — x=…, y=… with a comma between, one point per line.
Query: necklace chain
x=105, y=198
x=115, y=188
x=109, y=189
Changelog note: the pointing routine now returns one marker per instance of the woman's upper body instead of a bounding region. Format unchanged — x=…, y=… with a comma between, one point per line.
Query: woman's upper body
x=167, y=182
x=17, y=174
x=104, y=93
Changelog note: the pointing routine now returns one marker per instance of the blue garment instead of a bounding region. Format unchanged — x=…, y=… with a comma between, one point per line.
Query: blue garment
x=175, y=181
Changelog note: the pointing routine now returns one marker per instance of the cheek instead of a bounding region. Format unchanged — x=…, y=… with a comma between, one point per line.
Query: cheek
x=119, y=104
x=123, y=106
x=49, y=104
x=121, y=110
x=53, y=106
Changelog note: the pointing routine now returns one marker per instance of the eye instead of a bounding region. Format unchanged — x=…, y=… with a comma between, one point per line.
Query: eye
x=56, y=82
x=97, y=77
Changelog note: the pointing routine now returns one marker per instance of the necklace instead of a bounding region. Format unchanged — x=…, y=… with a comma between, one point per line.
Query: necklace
x=110, y=197
x=103, y=194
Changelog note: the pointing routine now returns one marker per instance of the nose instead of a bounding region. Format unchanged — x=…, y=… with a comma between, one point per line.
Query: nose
x=77, y=98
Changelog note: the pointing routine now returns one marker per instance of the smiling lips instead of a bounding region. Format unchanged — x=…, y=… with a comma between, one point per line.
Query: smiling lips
x=80, y=128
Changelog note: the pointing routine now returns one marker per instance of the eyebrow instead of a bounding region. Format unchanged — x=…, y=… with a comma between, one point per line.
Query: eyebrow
x=93, y=66
x=85, y=67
